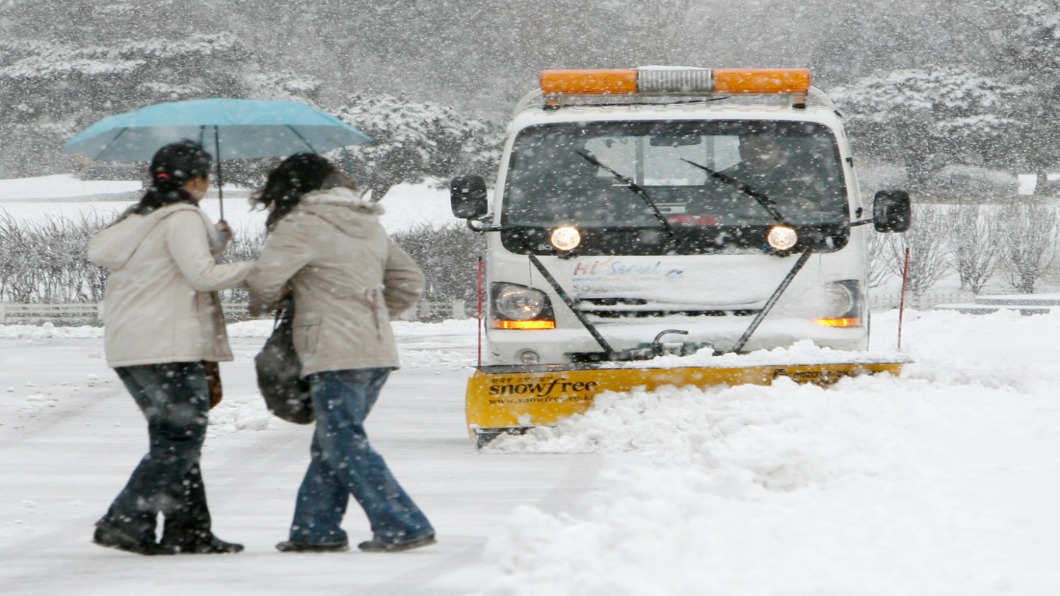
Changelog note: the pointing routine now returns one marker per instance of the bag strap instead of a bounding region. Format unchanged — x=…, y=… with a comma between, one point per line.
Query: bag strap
x=284, y=312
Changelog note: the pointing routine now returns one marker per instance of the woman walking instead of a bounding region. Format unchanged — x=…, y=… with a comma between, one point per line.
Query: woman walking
x=347, y=279
x=163, y=328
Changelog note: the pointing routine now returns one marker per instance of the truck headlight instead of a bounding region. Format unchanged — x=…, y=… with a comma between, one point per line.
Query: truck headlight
x=782, y=238
x=520, y=307
x=565, y=238
x=842, y=304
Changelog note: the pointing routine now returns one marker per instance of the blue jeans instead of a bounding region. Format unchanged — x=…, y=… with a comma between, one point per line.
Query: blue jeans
x=343, y=463
x=175, y=399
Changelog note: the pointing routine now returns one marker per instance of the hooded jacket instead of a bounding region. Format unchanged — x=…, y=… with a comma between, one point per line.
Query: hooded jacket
x=347, y=278
x=161, y=304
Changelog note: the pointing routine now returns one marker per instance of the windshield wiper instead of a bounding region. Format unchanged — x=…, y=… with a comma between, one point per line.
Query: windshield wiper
x=766, y=202
x=630, y=184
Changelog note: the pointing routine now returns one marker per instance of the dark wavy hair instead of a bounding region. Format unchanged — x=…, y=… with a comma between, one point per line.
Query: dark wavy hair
x=173, y=166
x=294, y=177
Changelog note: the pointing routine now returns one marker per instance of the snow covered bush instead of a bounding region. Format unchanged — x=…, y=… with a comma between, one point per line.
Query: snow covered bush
x=973, y=241
x=48, y=262
x=449, y=258
x=1029, y=244
x=927, y=252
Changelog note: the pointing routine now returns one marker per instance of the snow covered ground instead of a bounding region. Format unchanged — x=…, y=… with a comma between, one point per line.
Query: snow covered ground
x=64, y=196
x=941, y=482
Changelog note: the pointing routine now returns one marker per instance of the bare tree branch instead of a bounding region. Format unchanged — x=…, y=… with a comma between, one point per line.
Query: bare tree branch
x=1029, y=244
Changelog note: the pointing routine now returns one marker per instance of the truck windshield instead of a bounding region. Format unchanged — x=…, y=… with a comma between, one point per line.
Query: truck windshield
x=714, y=182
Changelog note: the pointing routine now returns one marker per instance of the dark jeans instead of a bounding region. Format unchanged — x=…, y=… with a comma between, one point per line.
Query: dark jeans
x=343, y=463
x=175, y=399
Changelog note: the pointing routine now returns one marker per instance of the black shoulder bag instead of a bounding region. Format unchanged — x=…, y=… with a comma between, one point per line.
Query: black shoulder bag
x=286, y=393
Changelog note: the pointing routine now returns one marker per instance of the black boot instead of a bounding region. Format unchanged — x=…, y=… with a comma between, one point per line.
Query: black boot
x=113, y=536
x=375, y=545
x=300, y=547
x=187, y=528
x=211, y=545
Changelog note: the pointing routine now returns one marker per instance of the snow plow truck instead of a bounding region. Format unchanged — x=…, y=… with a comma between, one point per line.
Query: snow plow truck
x=669, y=226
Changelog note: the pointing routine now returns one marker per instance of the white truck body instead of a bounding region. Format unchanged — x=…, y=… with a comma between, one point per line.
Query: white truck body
x=613, y=172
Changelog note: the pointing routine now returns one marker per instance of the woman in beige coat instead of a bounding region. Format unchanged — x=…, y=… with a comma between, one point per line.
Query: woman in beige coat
x=347, y=279
x=163, y=326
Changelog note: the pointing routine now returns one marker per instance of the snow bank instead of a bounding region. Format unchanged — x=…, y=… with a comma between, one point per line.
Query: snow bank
x=61, y=186
x=876, y=485
x=37, y=200
x=46, y=331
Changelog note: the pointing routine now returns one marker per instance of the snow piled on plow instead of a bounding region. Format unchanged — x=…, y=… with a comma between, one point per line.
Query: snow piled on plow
x=801, y=352
x=876, y=485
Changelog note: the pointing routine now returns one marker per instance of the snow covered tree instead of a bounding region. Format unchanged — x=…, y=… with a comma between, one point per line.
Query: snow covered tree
x=858, y=38
x=54, y=89
x=414, y=141
x=1032, y=52
x=927, y=119
x=101, y=57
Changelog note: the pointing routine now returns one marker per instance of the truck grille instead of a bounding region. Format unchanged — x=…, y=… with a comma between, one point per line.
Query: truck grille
x=613, y=308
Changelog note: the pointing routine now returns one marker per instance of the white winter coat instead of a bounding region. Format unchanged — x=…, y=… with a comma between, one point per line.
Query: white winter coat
x=347, y=276
x=161, y=303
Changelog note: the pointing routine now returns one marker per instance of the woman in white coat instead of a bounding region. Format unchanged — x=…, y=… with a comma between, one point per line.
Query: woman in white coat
x=163, y=327
x=347, y=278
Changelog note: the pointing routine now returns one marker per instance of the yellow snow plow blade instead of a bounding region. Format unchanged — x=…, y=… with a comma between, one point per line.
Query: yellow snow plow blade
x=513, y=398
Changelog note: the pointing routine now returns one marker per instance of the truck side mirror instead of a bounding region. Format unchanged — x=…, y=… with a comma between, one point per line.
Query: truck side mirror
x=891, y=211
x=467, y=195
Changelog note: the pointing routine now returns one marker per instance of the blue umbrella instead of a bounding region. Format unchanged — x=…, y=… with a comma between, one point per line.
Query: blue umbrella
x=236, y=128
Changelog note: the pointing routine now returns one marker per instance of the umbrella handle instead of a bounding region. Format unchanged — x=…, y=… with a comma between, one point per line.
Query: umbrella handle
x=220, y=176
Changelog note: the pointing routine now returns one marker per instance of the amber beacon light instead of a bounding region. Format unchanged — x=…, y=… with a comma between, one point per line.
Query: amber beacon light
x=676, y=81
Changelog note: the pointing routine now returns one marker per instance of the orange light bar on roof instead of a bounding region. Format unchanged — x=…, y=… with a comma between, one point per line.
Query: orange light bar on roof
x=675, y=81
x=762, y=80
x=589, y=82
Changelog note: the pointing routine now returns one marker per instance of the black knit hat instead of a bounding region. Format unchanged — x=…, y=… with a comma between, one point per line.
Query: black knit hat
x=176, y=163
x=171, y=168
